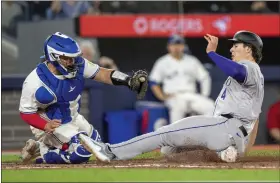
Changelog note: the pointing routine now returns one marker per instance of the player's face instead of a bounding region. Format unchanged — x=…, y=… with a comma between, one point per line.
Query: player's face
x=238, y=52
x=67, y=62
x=176, y=49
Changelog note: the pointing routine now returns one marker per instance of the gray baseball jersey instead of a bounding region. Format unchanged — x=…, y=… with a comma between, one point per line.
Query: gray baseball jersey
x=242, y=100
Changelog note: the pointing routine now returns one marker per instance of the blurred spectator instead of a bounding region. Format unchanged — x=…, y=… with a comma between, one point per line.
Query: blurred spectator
x=157, y=7
x=12, y=13
x=260, y=7
x=252, y=6
x=206, y=7
x=38, y=9
x=68, y=9
x=95, y=7
x=108, y=63
x=240, y=6
x=219, y=7
x=88, y=50
x=138, y=7
x=188, y=7
x=274, y=6
x=118, y=7
x=273, y=123
x=173, y=80
x=9, y=11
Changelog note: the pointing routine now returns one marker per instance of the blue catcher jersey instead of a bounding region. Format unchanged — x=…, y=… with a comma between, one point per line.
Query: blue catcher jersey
x=56, y=96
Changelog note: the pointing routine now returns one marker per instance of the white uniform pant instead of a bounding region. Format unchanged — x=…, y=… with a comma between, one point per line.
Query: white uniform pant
x=63, y=133
x=182, y=103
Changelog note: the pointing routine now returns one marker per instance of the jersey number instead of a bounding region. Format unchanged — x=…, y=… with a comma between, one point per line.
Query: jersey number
x=224, y=94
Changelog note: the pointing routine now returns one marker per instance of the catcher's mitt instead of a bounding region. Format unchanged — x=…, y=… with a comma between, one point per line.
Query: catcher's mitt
x=139, y=83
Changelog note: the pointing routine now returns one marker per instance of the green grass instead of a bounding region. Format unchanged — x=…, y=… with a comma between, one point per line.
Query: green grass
x=154, y=154
x=134, y=174
x=264, y=153
x=110, y=174
x=10, y=158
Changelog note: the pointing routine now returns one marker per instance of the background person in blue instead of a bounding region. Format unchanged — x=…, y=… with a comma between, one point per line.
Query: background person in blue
x=51, y=99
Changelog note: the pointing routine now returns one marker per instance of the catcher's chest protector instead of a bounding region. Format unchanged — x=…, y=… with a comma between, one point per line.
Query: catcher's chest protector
x=63, y=94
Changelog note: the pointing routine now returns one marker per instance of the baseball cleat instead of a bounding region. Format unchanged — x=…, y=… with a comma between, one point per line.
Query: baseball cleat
x=99, y=149
x=228, y=155
x=30, y=151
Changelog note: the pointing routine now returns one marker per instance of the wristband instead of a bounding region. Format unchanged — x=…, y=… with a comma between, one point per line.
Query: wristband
x=119, y=78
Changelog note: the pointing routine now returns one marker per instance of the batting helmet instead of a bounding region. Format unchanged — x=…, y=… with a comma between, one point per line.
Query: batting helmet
x=252, y=39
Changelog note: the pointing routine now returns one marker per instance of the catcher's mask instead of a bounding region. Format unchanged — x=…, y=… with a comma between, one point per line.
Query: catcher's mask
x=57, y=49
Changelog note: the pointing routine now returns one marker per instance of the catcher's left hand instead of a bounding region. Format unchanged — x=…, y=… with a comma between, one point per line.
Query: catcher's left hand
x=139, y=83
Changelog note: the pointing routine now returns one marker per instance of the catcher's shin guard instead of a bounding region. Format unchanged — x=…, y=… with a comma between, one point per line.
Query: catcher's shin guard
x=76, y=154
x=95, y=135
x=80, y=154
x=57, y=156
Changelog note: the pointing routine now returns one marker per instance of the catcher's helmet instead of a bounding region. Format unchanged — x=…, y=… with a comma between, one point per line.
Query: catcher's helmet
x=251, y=38
x=57, y=45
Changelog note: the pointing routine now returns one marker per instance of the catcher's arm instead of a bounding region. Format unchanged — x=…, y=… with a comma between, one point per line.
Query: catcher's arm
x=252, y=137
x=103, y=76
x=137, y=82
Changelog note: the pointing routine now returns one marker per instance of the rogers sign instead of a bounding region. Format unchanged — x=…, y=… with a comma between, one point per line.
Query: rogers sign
x=143, y=25
x=162, y=25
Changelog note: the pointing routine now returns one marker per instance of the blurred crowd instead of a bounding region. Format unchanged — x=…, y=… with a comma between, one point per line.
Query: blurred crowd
x=16, y=11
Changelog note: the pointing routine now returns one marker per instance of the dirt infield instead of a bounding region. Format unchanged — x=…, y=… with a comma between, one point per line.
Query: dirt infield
x=190, y=159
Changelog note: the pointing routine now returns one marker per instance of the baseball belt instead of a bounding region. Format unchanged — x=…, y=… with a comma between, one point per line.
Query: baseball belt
x=242, y=128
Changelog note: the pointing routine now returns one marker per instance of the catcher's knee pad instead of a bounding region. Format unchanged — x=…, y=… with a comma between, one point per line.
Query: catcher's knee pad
x=80, y=155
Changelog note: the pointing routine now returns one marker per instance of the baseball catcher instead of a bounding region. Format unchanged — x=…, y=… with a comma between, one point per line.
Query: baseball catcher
x=51, y=99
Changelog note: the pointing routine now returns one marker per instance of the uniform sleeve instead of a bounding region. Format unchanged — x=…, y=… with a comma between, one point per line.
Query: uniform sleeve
x=156, y=75
x=251, y=74
x=203, y=77
x=90, y=69
x=28, y=102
